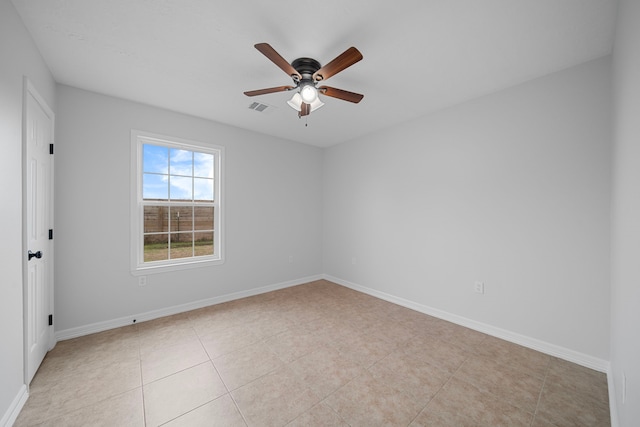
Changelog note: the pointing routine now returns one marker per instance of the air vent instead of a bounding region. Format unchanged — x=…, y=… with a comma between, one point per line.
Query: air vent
x=261, y=108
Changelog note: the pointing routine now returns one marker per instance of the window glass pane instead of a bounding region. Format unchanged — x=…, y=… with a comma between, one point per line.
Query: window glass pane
x=156, y=247
x=181, y=218
x=156, y=219
x=203, y=165
x=203, y=218
x=181, y=245
x=181, y=162
x=155, y=187
x=155, y=159
x=203, y=243
x=181, y=188
x=203, y=189
x=183, y=182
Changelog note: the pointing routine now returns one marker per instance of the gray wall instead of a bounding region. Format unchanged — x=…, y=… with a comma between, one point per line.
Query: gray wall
x=19, y=57
x=273, y=210
x=511, y=189
x=625, y=284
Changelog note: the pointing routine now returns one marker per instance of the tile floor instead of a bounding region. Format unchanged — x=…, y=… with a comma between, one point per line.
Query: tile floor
x=317, y=354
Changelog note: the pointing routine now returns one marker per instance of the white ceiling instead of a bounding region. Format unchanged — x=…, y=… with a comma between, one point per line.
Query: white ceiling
x=197, y=56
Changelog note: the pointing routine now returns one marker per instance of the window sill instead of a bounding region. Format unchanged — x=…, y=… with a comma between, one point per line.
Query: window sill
x=154, y=269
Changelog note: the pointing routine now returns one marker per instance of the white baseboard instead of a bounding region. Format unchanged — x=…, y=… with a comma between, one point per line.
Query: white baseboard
x=168, y=311
x=613, y=404
x=533, y=343
x=10, y=417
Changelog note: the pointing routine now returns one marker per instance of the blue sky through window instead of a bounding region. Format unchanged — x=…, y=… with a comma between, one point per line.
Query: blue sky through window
x=155, y=158
x=176, y=174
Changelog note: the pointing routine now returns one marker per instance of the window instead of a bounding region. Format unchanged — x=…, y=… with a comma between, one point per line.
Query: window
x=176, y=217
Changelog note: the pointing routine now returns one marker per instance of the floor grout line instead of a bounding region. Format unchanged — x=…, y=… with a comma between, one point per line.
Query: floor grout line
x=544, y=382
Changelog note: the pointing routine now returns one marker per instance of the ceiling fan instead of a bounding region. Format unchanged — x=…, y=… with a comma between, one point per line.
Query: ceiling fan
x=306, y=74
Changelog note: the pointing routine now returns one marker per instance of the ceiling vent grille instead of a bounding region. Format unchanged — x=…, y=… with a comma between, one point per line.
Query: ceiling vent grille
x=261, y=108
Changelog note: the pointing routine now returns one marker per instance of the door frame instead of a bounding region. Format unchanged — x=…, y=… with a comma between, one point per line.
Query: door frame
x=30, y=90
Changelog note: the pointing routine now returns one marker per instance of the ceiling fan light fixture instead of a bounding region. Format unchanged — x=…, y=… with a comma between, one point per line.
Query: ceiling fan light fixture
x=316, y=104
x=308, y=93
x=296, y=103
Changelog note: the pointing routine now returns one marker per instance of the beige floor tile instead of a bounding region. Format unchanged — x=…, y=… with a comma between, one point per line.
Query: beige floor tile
x=83, y=388
x=175, y=395
x=538, y=422
x=221, y=412
x=117, y=339
x=581, y=380
x=390, y=330
x=331, y=330
x=366, y=401
x=160, y=362
x=244, y=308
x=436, y=352
x=504, y=381
x=414, y=377
x=274, y=399
x=573, y=402
x=293, y=343
x=444, y=419
x=223, y=316
x=206, y=323
x=466, y=338
x=302, y=312
x=34, y=413
x=460, y=403
x=531, y=361
x=268, y=325
x=165, y=334
x=419, y=323
x=125, y=410
x=460, y=336
x=445, y=331
x=247, y=364
x=325, y=370
x=320, y=415
x=364, y=349
x=224, y=341
x=358, y=318
x=180, y=320
x=211, y=319
x=90, y=352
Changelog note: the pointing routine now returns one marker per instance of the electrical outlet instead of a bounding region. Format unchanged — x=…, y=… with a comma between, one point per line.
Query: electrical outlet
x=353, y=261
x=142, y=281
x=479, y=287
x=290, y=259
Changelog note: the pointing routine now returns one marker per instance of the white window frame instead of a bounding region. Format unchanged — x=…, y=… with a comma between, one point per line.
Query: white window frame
x=138, y=266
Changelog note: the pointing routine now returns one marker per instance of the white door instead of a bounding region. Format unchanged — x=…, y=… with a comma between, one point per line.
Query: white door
x=38, y=135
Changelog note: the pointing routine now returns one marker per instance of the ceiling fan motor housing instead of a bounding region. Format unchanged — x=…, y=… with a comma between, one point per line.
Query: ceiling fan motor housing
x=306, y=67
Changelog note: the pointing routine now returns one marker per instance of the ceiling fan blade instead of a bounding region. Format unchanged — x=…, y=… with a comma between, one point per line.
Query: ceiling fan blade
x=268, y=90
x=345, y=95
x=269, y=52
x=344, y=60
x=305, y=109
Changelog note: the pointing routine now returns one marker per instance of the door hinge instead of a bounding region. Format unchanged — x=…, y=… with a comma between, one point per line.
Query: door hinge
x=51, y=234
x=50, y=148
x=50, y=319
